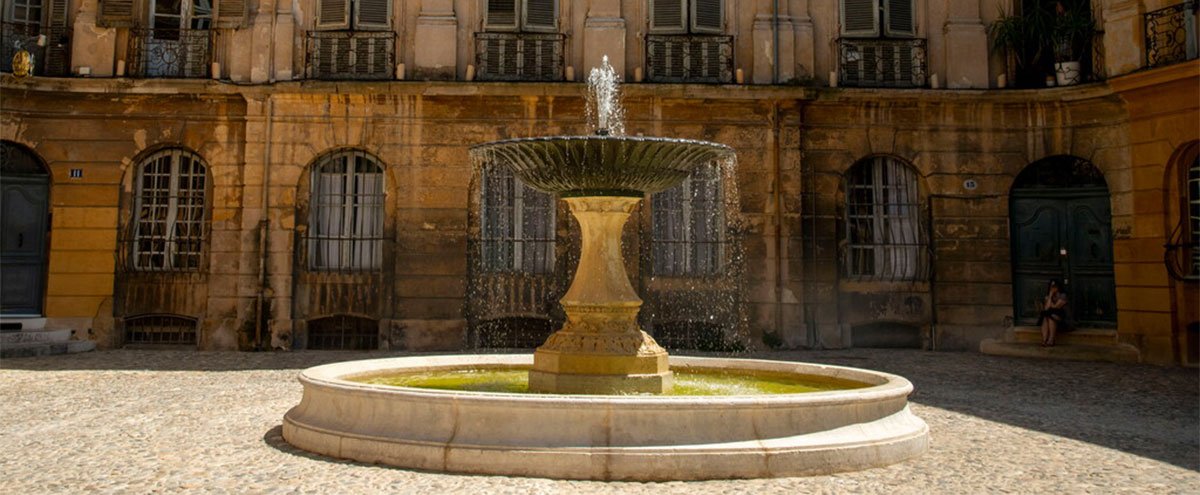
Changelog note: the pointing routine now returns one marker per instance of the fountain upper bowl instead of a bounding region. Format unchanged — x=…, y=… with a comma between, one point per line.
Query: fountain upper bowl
x=573, y=166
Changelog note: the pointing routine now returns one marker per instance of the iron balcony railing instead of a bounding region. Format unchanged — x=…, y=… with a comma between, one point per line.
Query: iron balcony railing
x=173, y=53
x=882, y=63
x=50, y=58
x=689, y=58
x=519, y=56
x=1171, y=34
x=351, y=55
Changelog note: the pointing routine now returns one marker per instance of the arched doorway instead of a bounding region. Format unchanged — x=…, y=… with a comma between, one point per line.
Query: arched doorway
x=1061, y=226
x=24, y=213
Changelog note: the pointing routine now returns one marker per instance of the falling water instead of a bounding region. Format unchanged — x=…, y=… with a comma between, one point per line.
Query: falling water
x=604, y=112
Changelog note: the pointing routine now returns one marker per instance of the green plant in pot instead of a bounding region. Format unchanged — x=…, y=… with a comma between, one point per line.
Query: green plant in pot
x=1072, y=35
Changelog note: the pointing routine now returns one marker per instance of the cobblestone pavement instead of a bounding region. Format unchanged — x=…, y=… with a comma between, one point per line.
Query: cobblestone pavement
x=178, y=421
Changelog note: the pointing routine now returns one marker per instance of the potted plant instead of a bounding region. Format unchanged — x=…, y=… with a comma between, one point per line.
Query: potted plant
x=1072, y=34
x=1027, y=39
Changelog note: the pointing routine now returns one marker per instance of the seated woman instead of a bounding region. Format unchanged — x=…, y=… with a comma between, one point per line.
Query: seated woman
x=1054, y=313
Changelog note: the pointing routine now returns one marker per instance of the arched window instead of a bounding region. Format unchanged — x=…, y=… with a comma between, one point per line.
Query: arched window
x=688, y=226
x=160, y=329
x=517, y=225
x=885, y=235
x=345, y=225
x=343, y=332
x=168, y=231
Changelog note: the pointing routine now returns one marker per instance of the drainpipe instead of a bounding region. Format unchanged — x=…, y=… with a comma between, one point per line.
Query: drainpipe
x=780, y=243
x=775, y=32
x=264, y=230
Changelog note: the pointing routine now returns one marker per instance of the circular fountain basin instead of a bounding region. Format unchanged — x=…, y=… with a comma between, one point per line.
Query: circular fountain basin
x=606, y=437
x=573, y=166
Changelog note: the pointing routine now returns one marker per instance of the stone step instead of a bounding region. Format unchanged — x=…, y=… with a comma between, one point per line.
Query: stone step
x=46, y=348
x=11, y=323
x=1078, y=336
x=1113, y=353
x=35, y=337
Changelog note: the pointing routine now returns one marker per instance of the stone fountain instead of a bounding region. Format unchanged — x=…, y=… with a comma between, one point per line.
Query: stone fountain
x=593, y=408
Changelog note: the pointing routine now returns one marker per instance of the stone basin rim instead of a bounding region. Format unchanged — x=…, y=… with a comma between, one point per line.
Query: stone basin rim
x=882, y=386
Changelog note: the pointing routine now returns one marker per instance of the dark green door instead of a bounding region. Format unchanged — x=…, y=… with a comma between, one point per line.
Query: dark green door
x=1063, y=234
x=24, y=211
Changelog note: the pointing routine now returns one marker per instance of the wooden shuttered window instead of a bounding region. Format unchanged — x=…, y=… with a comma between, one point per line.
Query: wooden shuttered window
x=117, y=13
x=501, y=15
x=862, y=18
x=333, y=14
x=898, y=18
x=231, y=13
x=541, y=15
x=707, y=16
x=372, y=15
x=668, y=16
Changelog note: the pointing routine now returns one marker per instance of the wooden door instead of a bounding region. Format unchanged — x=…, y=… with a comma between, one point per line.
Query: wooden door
x=24, y=202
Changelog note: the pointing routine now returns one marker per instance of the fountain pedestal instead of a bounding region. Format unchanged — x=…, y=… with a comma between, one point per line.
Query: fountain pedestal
x=600, y=349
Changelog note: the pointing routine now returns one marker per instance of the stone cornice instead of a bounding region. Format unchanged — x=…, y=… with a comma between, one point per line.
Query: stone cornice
x=1155, y=77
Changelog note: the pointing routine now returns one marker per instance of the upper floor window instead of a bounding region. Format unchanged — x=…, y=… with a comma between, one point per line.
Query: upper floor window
x=355, y=15
x=23, y=22
x=345, y=224
x=875, y=18
x=353, y=40
x=535, y=16
x=885, y=237
x=169, y=196
x=170, y=16
x=688, y=226
x=686, y=16
x=517, y=231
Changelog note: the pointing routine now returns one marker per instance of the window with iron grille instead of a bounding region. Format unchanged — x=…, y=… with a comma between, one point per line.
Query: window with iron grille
x=878, y=47
x=343, y=332
x=177, y=43
x=885, y=235
x=1193, y=198
x=875, y=18
x=345, y=224
x=688, y=226
x=353, y=40
x=23, y=21
x=686, y=44
x=517, y=231
x=520, y=42
x=160, y=329
x=169, y=203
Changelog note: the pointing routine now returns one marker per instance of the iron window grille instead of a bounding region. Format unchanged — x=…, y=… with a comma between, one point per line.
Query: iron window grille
x=519, y=56
x=1171, y=34
x=343, y=332
x=345, y=224
x=886, y=238
x=160, y=329
x=882, y=63
x=1183, y=249
x=689, y=58
x=688, y=226
x=53, y=59
x=517, y=231
x=169, y=203
x=173, y=53
x=351, y=55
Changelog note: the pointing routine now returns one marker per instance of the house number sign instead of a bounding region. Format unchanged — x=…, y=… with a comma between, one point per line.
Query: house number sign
x=970, y=184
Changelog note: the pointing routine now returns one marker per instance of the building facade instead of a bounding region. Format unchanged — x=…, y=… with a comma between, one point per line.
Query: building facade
x=242, y=174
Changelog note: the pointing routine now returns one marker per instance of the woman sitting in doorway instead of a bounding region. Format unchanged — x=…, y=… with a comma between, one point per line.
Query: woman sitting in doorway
x=1054, y=313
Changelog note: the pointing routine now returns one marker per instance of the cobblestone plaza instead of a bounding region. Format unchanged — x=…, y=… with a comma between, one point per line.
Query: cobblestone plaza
x=198, y=422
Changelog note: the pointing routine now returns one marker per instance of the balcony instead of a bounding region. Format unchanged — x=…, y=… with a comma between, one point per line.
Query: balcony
x=519, y=56
x=882, y=63
x=173, y=53
x=52, y=59
x=689, y=58
x=1171, y=34
x=351, y=55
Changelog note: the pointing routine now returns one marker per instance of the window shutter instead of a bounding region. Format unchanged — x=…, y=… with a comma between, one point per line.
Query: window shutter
x=668, y=16
x=230, y=13
x=334, y=14
x=898, y=18
x=501, y=15
x=860, y=18
x=373, y=15
x=707, y=16
x=541, y=15
x=115, y=13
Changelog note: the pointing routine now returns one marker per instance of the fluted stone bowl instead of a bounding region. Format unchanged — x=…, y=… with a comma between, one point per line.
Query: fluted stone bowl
x=574, y=166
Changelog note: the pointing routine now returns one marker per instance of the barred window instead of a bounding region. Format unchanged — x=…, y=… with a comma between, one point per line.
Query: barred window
x=517, y=231
x=1193, y=195
x=687, y=226
x=168, y=233
x=885, y=234
x=345, y=226
x=160, y=329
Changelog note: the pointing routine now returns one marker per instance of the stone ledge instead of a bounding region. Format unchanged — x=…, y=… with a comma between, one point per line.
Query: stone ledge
x=1116, y=353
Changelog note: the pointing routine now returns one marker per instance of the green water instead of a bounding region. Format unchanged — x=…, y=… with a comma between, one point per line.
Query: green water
x=687, y=383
